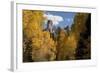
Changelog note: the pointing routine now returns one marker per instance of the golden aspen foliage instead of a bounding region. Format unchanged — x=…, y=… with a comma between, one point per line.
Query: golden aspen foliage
x=32, y=22
x=66, y=46
x=43, y=46
x=39, y=44
x=27, y=16
x=62, y=38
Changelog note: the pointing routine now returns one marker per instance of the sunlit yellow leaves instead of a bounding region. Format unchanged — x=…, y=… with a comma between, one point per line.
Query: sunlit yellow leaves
x=66, y=45
x=45, y=44
x=32, y=22
x=42, y=43
x=27, y=17
x=72, y=43
x=62, y=35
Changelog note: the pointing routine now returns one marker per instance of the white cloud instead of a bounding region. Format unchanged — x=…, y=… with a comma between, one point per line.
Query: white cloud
x=55, y=18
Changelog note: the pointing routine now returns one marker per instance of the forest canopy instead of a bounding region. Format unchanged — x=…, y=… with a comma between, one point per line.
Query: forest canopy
x=43, y=40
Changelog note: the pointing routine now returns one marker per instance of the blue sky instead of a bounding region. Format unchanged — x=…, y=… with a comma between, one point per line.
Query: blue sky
x=66, y=18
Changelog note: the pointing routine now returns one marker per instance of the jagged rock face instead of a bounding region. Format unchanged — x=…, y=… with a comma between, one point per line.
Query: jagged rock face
x=50, y=26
